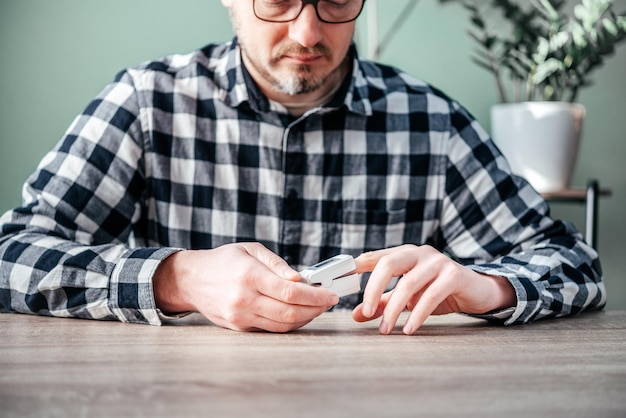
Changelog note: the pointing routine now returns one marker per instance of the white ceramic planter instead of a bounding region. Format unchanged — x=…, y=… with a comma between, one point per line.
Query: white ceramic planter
x=540, y=140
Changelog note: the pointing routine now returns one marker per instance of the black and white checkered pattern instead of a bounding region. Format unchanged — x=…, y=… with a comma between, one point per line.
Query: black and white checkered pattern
x=185, y=152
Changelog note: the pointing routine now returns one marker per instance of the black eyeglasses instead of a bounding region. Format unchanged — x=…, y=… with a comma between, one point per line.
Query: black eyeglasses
x=328, y=11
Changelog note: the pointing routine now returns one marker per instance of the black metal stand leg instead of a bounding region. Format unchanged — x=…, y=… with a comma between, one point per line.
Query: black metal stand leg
x=591, y=229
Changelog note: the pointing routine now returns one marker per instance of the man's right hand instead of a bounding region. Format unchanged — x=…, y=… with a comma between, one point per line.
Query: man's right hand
x=244, y=287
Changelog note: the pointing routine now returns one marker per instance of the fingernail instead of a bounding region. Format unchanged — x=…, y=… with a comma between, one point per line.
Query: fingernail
x=367, y=309
x=408, y=329
x=383, y=328
x=333, y=300
x=290, y=274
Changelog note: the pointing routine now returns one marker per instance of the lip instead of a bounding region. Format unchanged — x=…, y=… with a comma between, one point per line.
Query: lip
x=303, y=59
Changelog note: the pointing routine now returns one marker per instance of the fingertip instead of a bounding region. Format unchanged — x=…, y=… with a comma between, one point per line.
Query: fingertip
x=356, y=316
x=367, y=310
x=408, y=329
x=333, y=299
x=364, y=262
x=413, y=324
x=290, y=274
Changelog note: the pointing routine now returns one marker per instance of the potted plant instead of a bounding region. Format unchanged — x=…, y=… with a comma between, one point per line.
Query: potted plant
x=540, y=60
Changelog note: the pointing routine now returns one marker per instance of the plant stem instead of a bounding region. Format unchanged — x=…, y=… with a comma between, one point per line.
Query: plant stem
x=400, y=19
x=499, y=83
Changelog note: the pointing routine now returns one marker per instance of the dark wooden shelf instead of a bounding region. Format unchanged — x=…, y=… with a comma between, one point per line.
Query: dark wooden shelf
x=589, y=196
x=578, y=194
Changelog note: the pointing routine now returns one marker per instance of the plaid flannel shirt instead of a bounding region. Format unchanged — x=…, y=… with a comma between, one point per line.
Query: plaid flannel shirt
x=185, y=152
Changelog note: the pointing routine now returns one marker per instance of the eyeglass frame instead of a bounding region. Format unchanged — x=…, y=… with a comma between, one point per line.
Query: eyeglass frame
x=313, y=3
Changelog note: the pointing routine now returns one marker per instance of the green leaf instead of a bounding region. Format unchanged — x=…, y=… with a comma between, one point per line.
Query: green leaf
x=568, y=61
x=482, y=64
x=548, y=93
x=610, y=27
x=547, y=53
x=581, y=12
x=552, y=13
x=543, y=49
x=546, y=69
x=559, y=40
x=478, y=22
x=578, y=35
x=605, y=46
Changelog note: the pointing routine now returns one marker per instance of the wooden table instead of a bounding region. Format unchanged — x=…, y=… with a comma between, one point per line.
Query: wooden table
x=334, y=367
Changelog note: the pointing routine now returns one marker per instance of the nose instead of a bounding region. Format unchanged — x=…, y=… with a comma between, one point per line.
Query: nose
x=307, y=28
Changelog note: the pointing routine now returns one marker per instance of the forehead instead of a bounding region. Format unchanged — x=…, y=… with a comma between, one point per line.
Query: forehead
x=238, y=5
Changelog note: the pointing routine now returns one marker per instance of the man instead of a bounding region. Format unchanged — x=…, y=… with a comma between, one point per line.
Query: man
x=205, y=182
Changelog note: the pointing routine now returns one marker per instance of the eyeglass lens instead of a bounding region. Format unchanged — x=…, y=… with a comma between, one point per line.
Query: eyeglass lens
x=329, y=11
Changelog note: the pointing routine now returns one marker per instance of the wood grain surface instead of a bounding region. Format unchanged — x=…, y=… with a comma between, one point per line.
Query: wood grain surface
x=334, y=367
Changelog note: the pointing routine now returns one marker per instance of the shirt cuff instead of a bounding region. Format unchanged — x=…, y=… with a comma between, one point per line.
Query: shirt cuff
x=172, y=316
x=131, y=296
x=527, y=292
x=500, y=315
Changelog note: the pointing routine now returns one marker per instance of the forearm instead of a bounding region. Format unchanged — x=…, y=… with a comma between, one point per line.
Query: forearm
x=501, y=227
x=557, y=276
x=68, y=250
x=47, y=275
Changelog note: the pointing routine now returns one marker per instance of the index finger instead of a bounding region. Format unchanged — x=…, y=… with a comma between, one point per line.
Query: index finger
x=385, y=265
x=273, y=262
x=294, y=293
x=366, y=262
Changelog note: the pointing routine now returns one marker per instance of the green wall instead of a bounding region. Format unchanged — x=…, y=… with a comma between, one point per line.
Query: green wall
x=56, y=55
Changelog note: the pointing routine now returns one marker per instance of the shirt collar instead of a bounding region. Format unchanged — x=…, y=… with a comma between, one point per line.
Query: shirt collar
x=238, y=87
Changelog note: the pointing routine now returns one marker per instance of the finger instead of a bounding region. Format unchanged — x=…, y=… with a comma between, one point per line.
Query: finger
x=246, y=312
x=258, y=323
x=295, y=293
x=426, y=286
x=432, y=297
x=265, y=324
x=413, y=300
x=357, y=313
x=273, y=262
x=287, y=314
x=395, y=263
x=406, y=294
x=278, y=327
x=367, y=261
x=427, y=269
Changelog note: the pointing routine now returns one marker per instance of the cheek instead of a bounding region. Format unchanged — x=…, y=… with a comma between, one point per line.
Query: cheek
x=339, y=43
x=260, y=44
x=339, y=52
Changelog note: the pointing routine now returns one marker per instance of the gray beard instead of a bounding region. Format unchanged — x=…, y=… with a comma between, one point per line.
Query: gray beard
x=295, y=84
x=300, y=82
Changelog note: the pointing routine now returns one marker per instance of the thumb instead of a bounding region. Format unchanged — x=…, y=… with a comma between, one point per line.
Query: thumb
x=274, y=262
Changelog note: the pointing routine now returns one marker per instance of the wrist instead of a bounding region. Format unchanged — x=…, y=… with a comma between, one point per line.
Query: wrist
x=503, y=294
x=166, y=285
